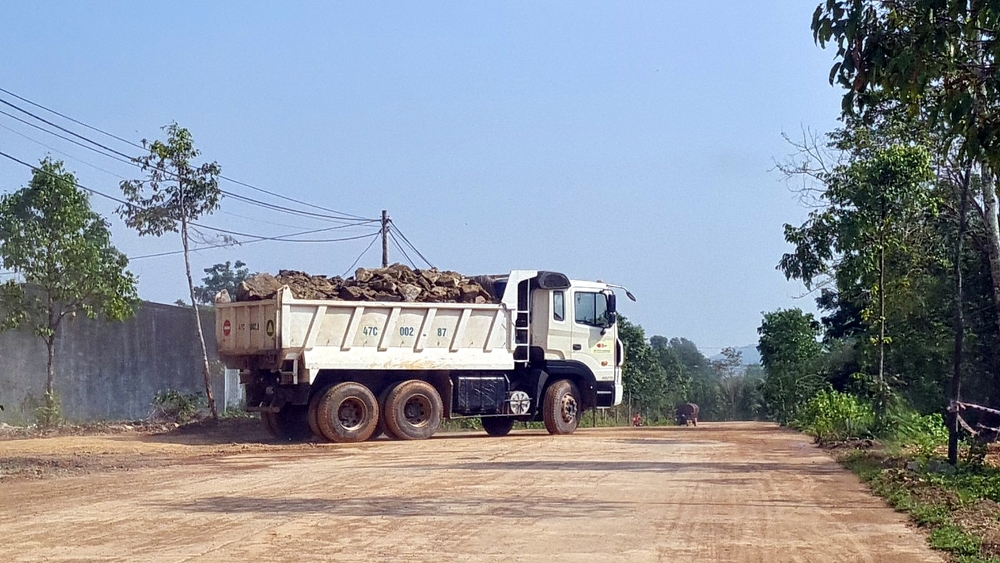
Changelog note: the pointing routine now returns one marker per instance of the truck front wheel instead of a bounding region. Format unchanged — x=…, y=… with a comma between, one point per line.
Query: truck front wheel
x=413, y=410
x=347, y=412
x=498, y=425
x=561, y=408
x=289, y=424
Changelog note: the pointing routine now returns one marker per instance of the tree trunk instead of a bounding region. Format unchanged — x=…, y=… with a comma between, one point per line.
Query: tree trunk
x=992, y=208
x=881, y=313
x=956, y=374
x=50, y=345
x=197, y=317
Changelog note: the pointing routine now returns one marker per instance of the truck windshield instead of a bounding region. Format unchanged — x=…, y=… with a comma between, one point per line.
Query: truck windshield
x=591, y=309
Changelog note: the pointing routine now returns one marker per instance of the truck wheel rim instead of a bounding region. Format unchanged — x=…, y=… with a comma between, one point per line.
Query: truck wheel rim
x=351, y=414
x=417, y=410
x=568, y=408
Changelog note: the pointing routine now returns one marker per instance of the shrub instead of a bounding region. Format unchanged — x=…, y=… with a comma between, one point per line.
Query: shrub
x=926, y=433
x=49, y=413
x=176, y=406
x=835, y=416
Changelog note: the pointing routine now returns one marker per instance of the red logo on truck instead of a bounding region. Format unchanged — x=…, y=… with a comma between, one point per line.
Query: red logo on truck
x=227, y=327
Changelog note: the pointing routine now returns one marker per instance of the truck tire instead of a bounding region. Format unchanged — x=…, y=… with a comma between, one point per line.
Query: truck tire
x=347, y=412
x=413, y=410
x=290, y=424
x=498, y=425
x=561, y=407
x=380, y=427
x=311, y=414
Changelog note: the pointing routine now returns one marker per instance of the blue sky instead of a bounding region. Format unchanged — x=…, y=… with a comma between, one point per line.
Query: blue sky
x=628, y=142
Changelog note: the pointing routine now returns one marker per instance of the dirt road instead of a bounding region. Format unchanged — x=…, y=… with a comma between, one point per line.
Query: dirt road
x=720, y=492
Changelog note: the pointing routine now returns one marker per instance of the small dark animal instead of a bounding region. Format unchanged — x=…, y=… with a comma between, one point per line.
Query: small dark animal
x=687, y=413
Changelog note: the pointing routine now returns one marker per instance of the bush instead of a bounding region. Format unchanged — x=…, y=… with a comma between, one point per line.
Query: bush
x=176, y=406
x=49, y=413
x=835, y=416
x=926, y=433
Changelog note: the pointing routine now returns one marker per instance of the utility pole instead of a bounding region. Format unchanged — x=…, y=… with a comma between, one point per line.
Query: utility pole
x=385, y=239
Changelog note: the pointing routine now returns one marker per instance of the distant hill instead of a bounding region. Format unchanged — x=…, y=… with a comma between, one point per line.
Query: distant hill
x=749, y=353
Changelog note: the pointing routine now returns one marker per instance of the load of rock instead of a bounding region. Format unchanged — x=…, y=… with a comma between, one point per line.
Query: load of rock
x=395, y=283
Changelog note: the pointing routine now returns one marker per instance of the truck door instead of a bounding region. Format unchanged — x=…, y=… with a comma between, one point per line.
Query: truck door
x=593, y=340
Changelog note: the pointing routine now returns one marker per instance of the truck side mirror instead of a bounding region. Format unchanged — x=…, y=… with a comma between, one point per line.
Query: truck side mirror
x=609, y=318
x=612, y=303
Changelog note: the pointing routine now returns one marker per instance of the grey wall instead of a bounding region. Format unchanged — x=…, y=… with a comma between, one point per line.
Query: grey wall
x=108, y=370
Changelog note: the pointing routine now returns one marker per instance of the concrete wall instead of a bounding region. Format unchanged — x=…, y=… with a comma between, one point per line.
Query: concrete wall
x=108, y=370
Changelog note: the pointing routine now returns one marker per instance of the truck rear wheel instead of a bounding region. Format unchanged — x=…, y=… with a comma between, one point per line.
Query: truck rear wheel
x=347, y=412
x=289, y=424
x=311, y=414
x=498, y=425
x=380, y=427
x=561, y=408
x=413, y=410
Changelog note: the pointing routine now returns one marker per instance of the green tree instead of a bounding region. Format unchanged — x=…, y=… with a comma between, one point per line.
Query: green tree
x=642, y=375
x=937, y=58
x=174, y=193
x=62, y=250
x=225, y=276
x=789, y=352
x=732, y=387
x=874, y=207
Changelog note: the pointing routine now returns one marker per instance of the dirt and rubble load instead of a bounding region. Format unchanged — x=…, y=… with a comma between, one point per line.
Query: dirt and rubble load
x=395, y=283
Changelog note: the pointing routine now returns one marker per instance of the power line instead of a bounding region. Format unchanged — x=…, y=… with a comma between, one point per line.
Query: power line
x=110, y=173
x=55, y=150
x=257, y=238
x=410, y=244
x=279, y=237
x=363, y=252
x=73, y=133
x=131, y=162
x=77, y=184
x=392, y=236
x=144, y=148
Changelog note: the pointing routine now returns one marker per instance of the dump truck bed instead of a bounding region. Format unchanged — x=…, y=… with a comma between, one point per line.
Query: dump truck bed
x=334, y=334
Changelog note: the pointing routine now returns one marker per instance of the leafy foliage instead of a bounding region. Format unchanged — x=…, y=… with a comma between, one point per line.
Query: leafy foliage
x=175, y=190
x=835, y=416
x=225, y=276
x=789, y=352
x=174, y=193
x=63, y=252
x=175, y=406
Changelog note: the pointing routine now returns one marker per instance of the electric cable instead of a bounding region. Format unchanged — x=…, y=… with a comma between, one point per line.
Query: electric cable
x=392, y=236
x=393, y=226
x=66, y=154
x=119, y=176
x=144, y=148
x=360, y=256
x=240, y=243
x=256, y=238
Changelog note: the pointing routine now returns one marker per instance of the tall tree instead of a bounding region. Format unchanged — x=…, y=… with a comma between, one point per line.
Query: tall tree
x=62, y=250
x=174, y=193
x=939, y=58
x=875, y=205
x=789, y=351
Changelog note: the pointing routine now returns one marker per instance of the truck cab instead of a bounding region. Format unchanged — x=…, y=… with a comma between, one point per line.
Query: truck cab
x=567, y=328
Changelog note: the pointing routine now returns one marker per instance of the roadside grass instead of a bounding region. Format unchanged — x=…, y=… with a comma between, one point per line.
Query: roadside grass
x=957, y=506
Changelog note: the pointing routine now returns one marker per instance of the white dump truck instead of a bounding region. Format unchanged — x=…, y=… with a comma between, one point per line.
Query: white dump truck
x=348, y=371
